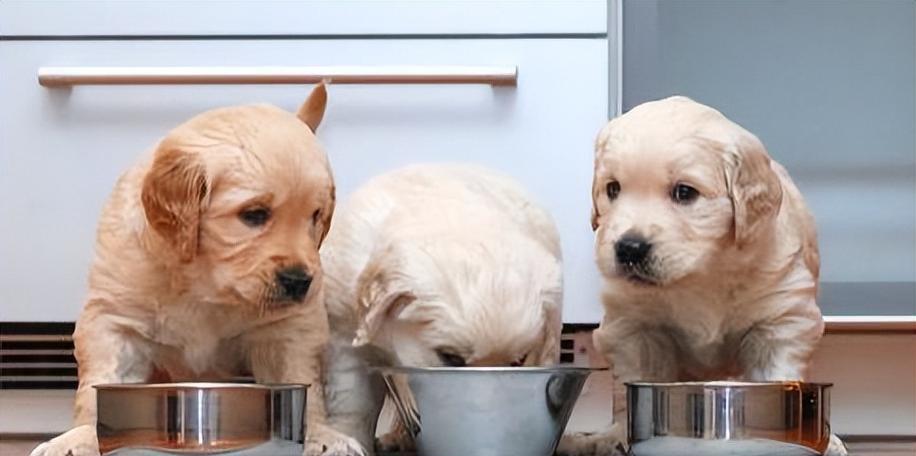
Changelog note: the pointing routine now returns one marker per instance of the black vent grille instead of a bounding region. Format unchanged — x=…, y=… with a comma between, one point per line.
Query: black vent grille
x=37, y=356
x=40, y=355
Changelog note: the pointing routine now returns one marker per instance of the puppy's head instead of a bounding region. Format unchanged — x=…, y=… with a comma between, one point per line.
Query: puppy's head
x=676, y=187
x=462, y=302
x=240, y=199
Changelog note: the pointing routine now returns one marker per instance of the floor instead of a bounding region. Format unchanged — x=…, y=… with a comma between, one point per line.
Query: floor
x=22, y=447
x=883, y=449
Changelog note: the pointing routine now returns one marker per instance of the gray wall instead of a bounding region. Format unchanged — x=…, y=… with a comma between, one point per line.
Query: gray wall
x=828, y=85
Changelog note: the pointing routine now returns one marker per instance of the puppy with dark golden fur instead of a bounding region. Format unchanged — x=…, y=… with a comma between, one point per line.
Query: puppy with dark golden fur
x=206, y=263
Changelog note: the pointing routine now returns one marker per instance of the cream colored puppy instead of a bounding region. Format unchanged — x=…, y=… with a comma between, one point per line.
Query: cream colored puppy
x=206, y=263
x=707, y=248
x=436, y=265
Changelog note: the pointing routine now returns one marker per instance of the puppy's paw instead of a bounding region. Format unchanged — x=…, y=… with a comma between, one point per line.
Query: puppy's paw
x=325, y=441
x=580, y=444
x=394, y=442
x=836, y=447
x=79, y=441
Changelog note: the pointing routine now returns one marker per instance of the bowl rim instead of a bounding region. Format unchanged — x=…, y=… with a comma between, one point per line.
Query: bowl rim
x=729, y=384
x=479, y=369
x=184, y=386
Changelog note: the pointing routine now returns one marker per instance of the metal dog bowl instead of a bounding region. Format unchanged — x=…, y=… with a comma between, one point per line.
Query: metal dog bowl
x=484, y=411
x=201, y=418
x=728, y=418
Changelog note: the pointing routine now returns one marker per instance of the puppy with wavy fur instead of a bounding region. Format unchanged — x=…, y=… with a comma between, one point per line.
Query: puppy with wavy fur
x=436, y=265
x=708, y=252
x=206, y=263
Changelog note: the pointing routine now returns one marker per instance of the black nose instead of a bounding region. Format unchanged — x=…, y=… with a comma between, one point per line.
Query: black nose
x=632, y=249
x=294, y=282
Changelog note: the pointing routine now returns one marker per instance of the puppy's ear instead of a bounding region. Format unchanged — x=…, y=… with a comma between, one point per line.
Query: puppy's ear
x=312, y=111
x=548, y=352
x=379, y=299
x=753, y=186
x=600, y=146
x=327, y=214
x=173, y=193
x=594, y=205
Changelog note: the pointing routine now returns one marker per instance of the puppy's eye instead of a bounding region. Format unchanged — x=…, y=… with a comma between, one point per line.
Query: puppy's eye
x=451, y=359
x=316, y=216
x=255, y=217
x=519, y=362
x=613, y=189
x=684, y=194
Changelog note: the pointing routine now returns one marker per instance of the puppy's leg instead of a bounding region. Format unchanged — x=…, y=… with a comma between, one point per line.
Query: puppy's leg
x=79, y=441
x=400, y=438
x=354, y=394
x=836, y=447
x=396, y=440
x=635, y=354
x=291, y=351
x=779, y=349
x=106, y=352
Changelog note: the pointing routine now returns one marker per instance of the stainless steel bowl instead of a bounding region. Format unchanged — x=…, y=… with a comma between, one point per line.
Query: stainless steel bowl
x=728, y=418
x=201, y=418
x=498, y=411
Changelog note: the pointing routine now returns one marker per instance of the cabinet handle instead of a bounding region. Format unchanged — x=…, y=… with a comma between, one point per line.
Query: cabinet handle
x=506, y=75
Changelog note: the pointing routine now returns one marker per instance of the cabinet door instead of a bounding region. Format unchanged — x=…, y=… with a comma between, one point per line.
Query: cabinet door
x=61, y=149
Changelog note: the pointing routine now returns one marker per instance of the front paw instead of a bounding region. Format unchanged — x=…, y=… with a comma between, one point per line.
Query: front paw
x=79, y=441
x=325, y=441
x=587, y=444
x=394, y=442
x=836, y=447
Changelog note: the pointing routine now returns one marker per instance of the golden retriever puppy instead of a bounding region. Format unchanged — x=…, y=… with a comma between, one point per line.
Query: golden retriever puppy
x=436, y=265
x=708, y=252
x=206, y=263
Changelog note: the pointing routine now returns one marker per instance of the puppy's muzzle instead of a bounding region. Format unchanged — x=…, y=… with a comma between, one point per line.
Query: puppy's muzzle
x=293, y=282
x=632, y=250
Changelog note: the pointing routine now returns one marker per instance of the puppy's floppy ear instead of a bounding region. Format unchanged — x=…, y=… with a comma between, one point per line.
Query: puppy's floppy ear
x=173, y=193
x=594, y=205
x=548, y=352
x=312, y=111
x=753, y=186
x=327, y=213
x=379, y=299
x=600, y=146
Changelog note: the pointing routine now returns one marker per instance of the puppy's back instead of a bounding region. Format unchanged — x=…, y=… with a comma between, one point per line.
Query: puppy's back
x=466, y=195
x=422, y=199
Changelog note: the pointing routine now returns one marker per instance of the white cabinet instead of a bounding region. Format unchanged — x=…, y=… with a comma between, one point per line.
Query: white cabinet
x=61, y=149
x=95, y=18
